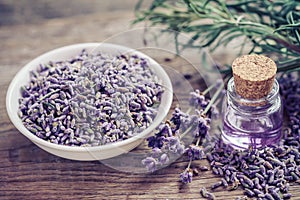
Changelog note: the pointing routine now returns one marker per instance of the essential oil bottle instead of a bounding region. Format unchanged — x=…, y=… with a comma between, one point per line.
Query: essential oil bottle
x=252, y=111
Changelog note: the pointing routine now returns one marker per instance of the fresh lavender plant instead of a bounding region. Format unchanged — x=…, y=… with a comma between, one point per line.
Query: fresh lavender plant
x=90, y=100
x=266, y=27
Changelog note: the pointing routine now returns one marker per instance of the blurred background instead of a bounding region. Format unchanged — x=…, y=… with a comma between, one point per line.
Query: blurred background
x=14, y=12
x=29, y=28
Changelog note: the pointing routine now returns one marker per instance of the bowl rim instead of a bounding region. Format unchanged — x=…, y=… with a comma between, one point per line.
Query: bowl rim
x=39, y=141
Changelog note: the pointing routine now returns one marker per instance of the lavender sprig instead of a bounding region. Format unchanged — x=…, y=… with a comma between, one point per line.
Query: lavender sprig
x=195, y=152
x=186, y=176
x=169, y=138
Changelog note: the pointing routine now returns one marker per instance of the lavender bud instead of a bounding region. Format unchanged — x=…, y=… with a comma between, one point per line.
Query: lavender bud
x=164, y=159
x=150, y=163
x=186, y=176
x=216, y=185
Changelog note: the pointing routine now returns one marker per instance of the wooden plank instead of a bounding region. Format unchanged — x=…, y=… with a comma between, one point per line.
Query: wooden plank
x=27, y=172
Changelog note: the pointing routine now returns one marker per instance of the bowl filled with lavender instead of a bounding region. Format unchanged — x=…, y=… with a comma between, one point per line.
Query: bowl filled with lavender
x=89, y=101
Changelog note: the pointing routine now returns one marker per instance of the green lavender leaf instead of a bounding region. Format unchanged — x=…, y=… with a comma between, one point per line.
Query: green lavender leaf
x=268, y=27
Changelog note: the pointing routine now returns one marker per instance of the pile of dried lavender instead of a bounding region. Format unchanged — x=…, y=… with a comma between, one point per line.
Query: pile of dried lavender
x=266, y=173
x=90, y=100
x=262, y=174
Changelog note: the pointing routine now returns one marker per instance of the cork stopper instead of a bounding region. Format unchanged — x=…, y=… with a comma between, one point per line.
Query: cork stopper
x=253, y=76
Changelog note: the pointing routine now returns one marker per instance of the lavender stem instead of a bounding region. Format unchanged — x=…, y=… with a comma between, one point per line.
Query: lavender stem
x=213, y=99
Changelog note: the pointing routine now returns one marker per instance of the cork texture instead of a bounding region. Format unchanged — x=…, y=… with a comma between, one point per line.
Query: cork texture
x=253, y=76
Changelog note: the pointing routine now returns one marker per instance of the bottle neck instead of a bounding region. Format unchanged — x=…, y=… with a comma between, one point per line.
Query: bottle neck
x=252, y=106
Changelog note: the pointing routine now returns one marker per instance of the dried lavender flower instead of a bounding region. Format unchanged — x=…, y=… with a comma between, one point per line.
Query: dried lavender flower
x=198, y=100
x=95, y=96
x=169, y=137
x=186, y=176
x=150, y=163
x=205, y=194
x=195, y=152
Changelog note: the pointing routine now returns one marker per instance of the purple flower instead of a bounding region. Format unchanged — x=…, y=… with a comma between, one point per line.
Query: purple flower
x=156, y=152
x=177, y=116
x=155, y=141
x=172, y=141
x=186, y=122
x=197, y=99
x=164, y=130
x=203, y=127
x=195, y=152
x=164, y=159
x=180, y=149
x=150, y=163
x=186, y=176
x=173, y=144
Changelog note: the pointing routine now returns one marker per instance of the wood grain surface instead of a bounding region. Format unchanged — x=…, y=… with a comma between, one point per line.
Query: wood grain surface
x=27, y=172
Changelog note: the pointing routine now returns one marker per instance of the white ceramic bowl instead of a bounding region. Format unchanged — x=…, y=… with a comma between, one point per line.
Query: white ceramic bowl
x=85, y=153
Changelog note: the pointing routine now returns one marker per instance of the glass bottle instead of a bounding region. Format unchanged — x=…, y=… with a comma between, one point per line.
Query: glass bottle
x=251, y=122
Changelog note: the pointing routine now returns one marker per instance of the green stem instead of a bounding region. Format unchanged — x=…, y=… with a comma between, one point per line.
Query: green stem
x=198, y=141
x=289, y=71
x=190, y=162
x=186, y=131
x=213, y=99
x=189, y=165
x=208, y=89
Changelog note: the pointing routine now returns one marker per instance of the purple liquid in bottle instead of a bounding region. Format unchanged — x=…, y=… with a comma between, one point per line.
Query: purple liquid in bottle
x=255, y=123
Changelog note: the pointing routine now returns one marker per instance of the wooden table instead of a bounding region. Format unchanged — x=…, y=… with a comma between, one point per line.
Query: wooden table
x=27, y=172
